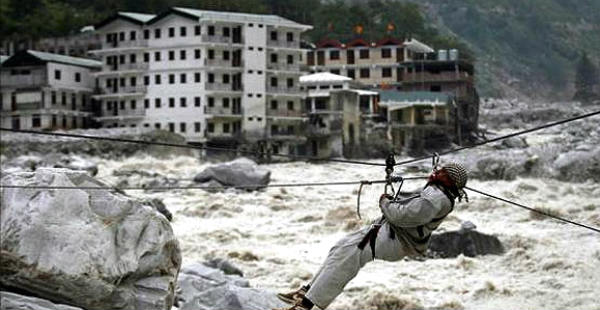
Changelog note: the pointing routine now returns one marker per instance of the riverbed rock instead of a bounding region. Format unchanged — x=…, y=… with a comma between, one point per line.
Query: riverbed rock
x=241, y=172
x=203, y=288
x=94, y=249
x=466, y=241
x=224, y=265
x=578, y=166
x=13, y=301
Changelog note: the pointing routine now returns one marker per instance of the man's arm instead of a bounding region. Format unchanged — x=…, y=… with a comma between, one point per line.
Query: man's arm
x=417, y=211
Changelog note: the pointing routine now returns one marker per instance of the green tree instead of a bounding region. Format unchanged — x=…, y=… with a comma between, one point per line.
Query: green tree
x=586, y=79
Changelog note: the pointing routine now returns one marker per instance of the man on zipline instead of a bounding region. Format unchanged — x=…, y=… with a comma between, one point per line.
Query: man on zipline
x=403, y=230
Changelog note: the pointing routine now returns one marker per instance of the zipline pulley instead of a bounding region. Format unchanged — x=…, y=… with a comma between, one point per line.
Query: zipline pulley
x=390, y=162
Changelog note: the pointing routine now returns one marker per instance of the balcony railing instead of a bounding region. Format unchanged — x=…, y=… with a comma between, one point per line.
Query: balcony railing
x=283, y=43
x=138, y=66
x=285, y=90
x=284, y=113
x=442, y=77
x=223, y=63
x=24, y=106
x=126, y=44
x=220, y=39
x=219, y=111
x=122, y=90
x=283, y=66
x=222, y=135
x=120, y=114
x=223, y=87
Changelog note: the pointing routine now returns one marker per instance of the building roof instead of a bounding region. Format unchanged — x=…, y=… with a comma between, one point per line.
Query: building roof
x=3, y=58
x=31, y=57
x=324, y=77
x=418, y=46
x=136, y=18
x=232, y=17
x=395, y=100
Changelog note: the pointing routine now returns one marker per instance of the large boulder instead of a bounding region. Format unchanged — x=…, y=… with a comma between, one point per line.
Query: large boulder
x=241, y=172
x=578, y=166
x=94, y=249
x=466, y=241
x=203, y=288
x=12, y=301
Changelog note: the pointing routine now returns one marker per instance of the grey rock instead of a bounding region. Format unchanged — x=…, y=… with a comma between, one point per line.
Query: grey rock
x=204, y=288
x=95, y=249
x=241, y=172
x=468, y=242
x=12, y=301
x=467, y=225
x=160, y=206
x=578, y=166
x=225, y=266
x=514, y=142
x=32, y=162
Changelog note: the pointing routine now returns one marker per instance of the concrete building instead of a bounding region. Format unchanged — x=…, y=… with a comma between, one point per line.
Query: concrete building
x=418, y=120
x=375, y=64
x=76, y=45
x=46, y=91
x=219, y=78
x=337, y=108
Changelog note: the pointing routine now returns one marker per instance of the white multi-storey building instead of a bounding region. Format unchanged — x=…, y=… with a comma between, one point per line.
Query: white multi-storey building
x=210, y=76
x=46, y=91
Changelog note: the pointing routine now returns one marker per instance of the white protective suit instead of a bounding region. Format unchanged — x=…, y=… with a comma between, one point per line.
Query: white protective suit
x=404, y=231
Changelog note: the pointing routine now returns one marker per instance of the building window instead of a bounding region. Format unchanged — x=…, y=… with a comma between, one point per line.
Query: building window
x=197, y=30
x=273, y=82
x=274, y=58
x=132, y=36
x=54, y=122
x=226, y=31
x=146, y=34
x=211, y=127
x=197, y=77
x=157, y=56
x=335, y=71
x=146, y=80
x=36, y=121
x=334, y=55
x=183, y=31
x=211, y=54
x=290, y=36
x=386, y=53
x=273, y=35
x=225, y=78
x=157, y=125
x=133, y=104
x=182, y=78
x=290, y=82
x=171, y=102
x=53, y=97
x=197, y=126
x=182, y=127
x=133, y=81
x=211, y=78
x=225, y=55
x=290, y=105
x=172, y=127
x=132, y=58
x=364, y=73
x=146, y=57
x=290, y=59
x=211, y=30
x=147, y=103
x=77, y=77
x=211, y=102
x=122, y=105
x=363, y=54
x=226, y=127
x=196, y=101
x=57, y=74
x=171, y=78
x=63, y=99
x=274, y=104
x=122, y=59
x=182, y=54
x=197, y=53
x=157, y=103
x=171, y=32
x=122, y=82
x=171, y=55
x=386, y=72
x=183, y=102
x=121, y=36
x=351, y=73
x=157, y=33
x=226, y=102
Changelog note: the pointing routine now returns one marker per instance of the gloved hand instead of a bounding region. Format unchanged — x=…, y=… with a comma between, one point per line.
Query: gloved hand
x=384, y=197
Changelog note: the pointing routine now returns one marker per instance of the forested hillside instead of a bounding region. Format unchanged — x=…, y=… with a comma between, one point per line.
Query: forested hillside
x=526, y=48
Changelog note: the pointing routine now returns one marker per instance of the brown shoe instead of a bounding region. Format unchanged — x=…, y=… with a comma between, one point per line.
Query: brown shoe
x=293, y=297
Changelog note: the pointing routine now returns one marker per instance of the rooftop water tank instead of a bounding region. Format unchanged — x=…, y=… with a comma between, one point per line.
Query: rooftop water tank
x=442, y=55
x=453, y=54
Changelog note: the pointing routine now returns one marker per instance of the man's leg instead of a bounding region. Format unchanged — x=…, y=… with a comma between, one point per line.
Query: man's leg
x=345, y=260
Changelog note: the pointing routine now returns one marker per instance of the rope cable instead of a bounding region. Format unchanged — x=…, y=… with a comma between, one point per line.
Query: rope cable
x=514, y=134
x=534, y=210
x=187, y=146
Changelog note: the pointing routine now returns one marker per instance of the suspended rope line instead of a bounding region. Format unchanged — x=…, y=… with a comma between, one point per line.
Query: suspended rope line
x=514, y=134
x=534, y=210
x=253, y=186
x=188, y=146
